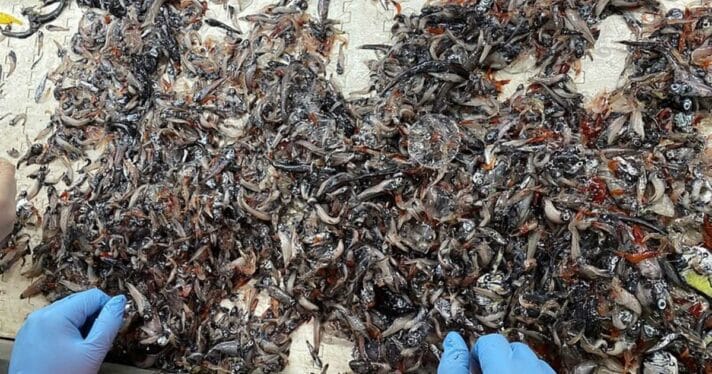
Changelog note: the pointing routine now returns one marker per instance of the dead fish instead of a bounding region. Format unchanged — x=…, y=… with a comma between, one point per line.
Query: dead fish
x=67, y=146
x=71, y=122
x=278, y=294
x=20, y=119
x=40, y=49
x=203, y=93
x=61, y=51
x=575, y=23
x=325, y=217
x=624, y=298
x=340, y=62
x=554, y=214
x=11, y=59
x=383, y=187
x=229, y=348
x=215, y=23
x=314, y=354
x=54, y=28
x=39, y=91
x=143, y=307
x=14, y=153
x=232, y=14
x=375, y=47
x=36, y=287
x=636, y=124
x=323, y=10
x=660, y=362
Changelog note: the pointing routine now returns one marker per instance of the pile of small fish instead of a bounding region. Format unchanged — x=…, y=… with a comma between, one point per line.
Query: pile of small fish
x=421, y=205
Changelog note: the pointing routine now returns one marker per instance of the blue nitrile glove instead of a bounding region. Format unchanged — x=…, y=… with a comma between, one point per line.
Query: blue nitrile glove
x=492, y=354
x=51, y=340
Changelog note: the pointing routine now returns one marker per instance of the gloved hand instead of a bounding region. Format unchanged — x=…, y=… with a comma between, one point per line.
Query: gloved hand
x=7, y=198
x=51, y=339
x=492, y=354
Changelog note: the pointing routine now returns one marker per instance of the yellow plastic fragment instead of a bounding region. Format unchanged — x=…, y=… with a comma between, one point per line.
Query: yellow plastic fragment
x=6, y=19
x=699, y=282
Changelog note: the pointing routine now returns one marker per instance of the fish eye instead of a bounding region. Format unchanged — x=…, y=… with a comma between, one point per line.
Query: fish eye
x=491, y=136
x=565, y=216
x=675, y=13
x=662, y=304
x=687, y=104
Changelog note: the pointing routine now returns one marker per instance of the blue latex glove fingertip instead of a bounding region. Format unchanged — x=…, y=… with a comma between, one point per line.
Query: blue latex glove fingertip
x=456, y=357
x=117, y=304
x=453, y=340
x=107, y=324
x=493, y=354
x=78, y=308
x=492, y=343
x=521, y=351
x=496, y=355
